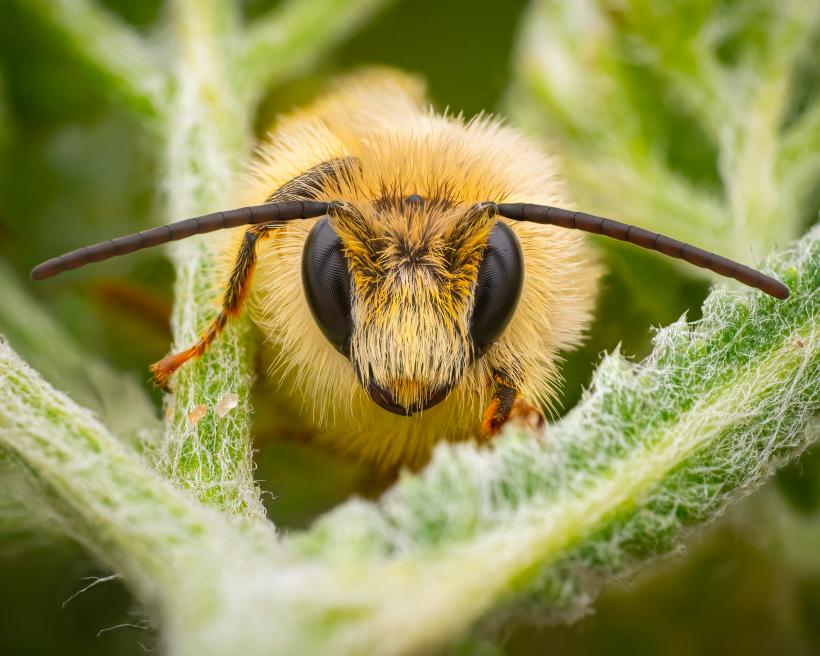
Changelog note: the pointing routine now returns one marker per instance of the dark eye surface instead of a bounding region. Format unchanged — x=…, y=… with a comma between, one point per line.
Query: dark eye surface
x=498, y=287
x=326, y=281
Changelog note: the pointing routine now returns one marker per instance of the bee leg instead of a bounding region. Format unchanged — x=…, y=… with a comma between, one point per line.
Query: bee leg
x=232, y=302
x=506, y=405
x=500, y=407
x=526, y=415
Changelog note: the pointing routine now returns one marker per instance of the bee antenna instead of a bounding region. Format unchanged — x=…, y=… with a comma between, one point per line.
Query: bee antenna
x=267, y=213
x=654, y=241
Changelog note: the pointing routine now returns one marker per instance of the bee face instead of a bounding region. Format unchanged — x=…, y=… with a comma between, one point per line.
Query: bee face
x=412, y=293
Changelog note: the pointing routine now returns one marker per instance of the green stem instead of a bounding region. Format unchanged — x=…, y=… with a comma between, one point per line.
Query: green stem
x=578, y=72
x=116, y=52
x=104, y=495
x=750, y=140
x=178, y=556
x=207, y=447
x=289, y=38
x=118, y=399
x=798, y=165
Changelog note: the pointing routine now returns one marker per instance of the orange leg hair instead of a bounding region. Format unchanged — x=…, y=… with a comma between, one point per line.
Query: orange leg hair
x=507, y=405
x=232, y=302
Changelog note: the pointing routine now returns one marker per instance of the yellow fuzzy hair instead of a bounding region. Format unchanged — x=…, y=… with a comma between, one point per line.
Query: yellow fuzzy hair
x=402, y=147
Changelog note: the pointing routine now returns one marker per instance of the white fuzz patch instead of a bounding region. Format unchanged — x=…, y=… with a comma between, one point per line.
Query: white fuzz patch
x=227, y=402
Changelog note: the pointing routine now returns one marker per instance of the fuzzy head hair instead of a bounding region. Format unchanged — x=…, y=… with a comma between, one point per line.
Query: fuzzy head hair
x=413, y=266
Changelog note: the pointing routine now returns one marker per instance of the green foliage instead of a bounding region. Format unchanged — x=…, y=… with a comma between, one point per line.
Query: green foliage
x=678, y=116
x=688, y=117
x=115, y=397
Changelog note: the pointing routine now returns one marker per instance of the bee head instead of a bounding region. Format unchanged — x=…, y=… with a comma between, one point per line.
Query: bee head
x=412, y=292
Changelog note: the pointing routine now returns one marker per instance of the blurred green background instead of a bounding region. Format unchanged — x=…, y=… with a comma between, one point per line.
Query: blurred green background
x=75, y=168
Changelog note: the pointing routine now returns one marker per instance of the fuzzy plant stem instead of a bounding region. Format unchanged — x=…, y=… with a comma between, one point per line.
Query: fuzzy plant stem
x=103, y=494
x=132, y=69
x=591, y=73
x=219, y=74
x=118, y=399
x=97, y=483
x=207, y=447
x=292, y=36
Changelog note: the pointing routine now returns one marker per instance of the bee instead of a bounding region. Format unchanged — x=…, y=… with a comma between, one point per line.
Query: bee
x=414, y=271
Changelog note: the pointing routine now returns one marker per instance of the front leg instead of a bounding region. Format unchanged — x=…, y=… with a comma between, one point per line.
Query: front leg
x=507, y=405
x=232, y=302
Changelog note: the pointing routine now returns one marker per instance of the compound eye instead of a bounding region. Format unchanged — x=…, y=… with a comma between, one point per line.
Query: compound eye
x=498, y=287
x=326, y=281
